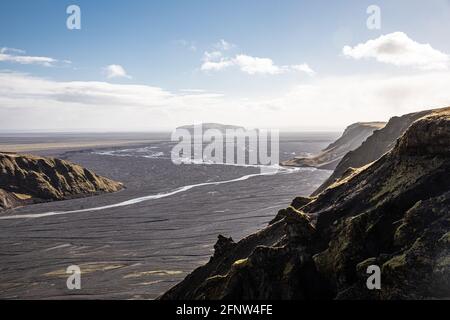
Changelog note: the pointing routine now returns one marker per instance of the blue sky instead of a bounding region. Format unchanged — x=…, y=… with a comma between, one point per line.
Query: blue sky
x=161, y=45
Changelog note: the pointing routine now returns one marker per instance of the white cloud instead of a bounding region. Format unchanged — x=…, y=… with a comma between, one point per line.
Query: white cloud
x=215, y=61
x=255, y=65
x=90, y=93
x=28, y=102
x=338, y=101
x=12, y=50
x=17, y=56
x=398, y=49
x=216, y=66
x=304, y=68
x=212, y=56
x=116, y=71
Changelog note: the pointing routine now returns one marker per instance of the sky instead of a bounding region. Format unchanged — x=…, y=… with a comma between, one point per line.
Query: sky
x=154, y=65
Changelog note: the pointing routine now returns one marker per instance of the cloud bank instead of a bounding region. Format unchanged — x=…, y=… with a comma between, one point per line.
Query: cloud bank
x=18, y=56
x=399, y=50
x=215, y=61
x=28, y=102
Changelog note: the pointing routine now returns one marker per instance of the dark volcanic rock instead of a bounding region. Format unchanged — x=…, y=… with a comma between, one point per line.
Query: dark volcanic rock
x=8, y=200
x=26, y=179
x=380, y=142
x=353, y=136
x=394, y=213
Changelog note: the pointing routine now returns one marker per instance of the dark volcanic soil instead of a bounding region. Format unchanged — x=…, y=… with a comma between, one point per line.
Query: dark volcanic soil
x=143, y=249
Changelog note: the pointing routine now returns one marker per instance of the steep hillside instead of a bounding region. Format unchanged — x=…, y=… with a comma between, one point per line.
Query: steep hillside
x=26, y=179
x=380, y=142
x=393, y=213
x=353, y=136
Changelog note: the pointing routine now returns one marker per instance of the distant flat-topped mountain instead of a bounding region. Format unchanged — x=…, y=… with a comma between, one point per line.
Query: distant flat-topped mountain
x=26, y=179
x=207, y=126
x=393, y=213
x=353, y=136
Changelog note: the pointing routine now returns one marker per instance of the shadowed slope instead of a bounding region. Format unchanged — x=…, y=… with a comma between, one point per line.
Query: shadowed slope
x=26, y=179
x=380, y=142
x=353, y=136
x=393, y=213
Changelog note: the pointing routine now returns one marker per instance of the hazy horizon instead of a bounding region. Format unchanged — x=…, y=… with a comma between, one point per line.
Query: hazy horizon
x=112, y=131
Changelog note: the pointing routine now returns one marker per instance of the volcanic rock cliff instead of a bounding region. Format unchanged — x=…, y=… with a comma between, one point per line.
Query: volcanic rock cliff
x=353, y=136
x=26, y=179
x=380, y=142
x=393, y=213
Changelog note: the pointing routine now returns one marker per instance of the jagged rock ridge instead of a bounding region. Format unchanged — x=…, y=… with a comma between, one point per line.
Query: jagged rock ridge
x=380, y=142
x=393, y=213
x=353, y=136
x=26, y=179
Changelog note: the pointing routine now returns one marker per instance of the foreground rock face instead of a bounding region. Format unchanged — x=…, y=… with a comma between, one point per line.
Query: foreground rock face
x=380, y=142
x=353, y=136
x=26, y=179
x=393, y=213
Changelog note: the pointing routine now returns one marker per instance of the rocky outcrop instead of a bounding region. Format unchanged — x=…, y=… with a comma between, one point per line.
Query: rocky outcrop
x=380, y=142
x=9, y=200
x=393, y=213
x=353, y=136
x=26, y=179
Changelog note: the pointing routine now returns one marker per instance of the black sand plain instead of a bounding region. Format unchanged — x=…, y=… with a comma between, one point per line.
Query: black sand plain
x=138, y=251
